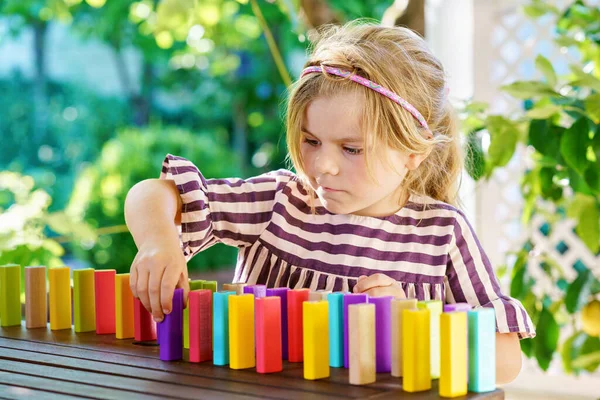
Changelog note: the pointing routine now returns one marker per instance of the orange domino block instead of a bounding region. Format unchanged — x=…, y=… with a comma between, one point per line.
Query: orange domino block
x=104, y=283
x=295, y=298
x=84, y=300
x=268, y=334
x=241, y=332
x=201, y=325
x=144, y=327
x=238, y=288
x=36, y=303
x=361, y=343
x=453, y=354
x=416, y=367
x=60, y=298
x=124, y=318
x=316, y=339
x=398, y=305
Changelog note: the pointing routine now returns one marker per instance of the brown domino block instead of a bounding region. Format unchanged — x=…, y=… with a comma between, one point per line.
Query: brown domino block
x=238, y=288
x=361, y=325
x=36, y=303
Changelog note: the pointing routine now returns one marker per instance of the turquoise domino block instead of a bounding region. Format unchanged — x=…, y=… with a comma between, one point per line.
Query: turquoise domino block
x=221, y=327
x=482, y=350
x=336, y=329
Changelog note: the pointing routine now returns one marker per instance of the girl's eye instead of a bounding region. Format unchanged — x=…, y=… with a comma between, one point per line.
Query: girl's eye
x=353, y=151
x=311, y=142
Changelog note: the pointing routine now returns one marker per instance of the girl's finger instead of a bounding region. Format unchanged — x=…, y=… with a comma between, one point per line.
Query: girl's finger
x=154, y=292
x=142, y=289
x=372, y=281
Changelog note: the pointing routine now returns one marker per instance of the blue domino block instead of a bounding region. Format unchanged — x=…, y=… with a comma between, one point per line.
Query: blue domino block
x=482, y=350
x=336, y=329
x=221, y=327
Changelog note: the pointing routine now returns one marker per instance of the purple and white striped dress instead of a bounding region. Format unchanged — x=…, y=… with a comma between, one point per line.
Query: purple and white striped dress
x=433, y=252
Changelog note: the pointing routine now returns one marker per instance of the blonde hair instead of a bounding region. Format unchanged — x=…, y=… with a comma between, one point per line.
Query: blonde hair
x=399, y=60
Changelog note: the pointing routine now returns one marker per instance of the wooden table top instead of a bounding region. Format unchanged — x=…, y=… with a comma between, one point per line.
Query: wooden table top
x=41, y=364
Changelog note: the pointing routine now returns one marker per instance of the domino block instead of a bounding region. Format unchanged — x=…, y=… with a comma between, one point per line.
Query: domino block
x=282, y=294
x=398, y=305
x=350, y=298
x=482, y=350
x=194, y=285
x=238, y=288
x=221, y=327
x=210, y=285
x=268, y=334
x=336, y=329
x=60, y=298
x=416, y=363
x=435, y=308
x=241, y=332
x=144, y=327
x=201, y=330
x=124, y=318
x=361, y=321
x=295, y=298
x=315, y=331
x=10, y=295
x=383, y=332
x=84, y=300
x=257, y=290
x=104, y=288
x=36, y=302
x=171, y=330
x=453, y=354
x=457, y=307
x=319, y=295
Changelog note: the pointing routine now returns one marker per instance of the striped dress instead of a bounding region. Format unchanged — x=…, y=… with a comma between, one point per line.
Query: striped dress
x=428, y=246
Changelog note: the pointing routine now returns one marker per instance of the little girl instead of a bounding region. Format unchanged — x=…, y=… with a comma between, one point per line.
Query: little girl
x=371, y=207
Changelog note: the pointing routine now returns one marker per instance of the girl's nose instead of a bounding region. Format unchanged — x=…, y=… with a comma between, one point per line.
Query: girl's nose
x=326, y=165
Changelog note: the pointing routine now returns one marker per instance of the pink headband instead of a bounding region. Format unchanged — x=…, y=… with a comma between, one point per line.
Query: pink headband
x=371, y=85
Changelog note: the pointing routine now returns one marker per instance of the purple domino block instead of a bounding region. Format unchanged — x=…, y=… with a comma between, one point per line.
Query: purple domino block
x=351, y=298
x=383, y=332
x=171, y=330
x=257, y=290
x=457, y=307
x=282, y=293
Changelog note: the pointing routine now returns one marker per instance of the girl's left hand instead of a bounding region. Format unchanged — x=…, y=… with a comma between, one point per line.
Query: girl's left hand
x=379, y=285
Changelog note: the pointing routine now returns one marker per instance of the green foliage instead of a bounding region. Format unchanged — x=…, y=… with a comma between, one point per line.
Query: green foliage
x=561, y=125
x=132, y=156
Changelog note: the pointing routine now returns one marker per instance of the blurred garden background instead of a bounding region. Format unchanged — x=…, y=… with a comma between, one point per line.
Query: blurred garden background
x=94, y=94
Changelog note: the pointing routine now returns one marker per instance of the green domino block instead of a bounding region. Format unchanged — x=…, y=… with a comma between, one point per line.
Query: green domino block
x=194, y=285
x=10, y=295
x=210, y=285
x=435, y=308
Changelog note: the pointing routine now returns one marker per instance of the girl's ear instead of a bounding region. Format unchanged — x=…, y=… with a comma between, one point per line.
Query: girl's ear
x=414, y=160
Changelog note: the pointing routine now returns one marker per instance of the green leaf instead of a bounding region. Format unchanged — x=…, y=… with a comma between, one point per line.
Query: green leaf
x=504, y=137
x=590, y=346
x=545, y=138
x=546, y=339
x=526, y=347
x=570, y=349
x=521, y=281
x=545, y=67
x=543, y=112
x=578, y=292
x=588, y=360
x=592, y=177
x=588, y=228
x=574, y=144
x=528, y=89
x=592, y=107
x=584, y=79
x=475, y=159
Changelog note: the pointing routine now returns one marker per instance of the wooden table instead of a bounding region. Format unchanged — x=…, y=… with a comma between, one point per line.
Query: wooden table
x=40, y=364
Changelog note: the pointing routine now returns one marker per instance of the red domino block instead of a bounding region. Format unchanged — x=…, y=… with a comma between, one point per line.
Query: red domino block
x=144, y=325
x=295, y=333
x=268, y=334
x=201, y=319
x=104, y=285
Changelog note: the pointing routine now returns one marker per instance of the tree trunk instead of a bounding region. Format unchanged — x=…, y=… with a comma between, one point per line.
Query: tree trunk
x=40, y=90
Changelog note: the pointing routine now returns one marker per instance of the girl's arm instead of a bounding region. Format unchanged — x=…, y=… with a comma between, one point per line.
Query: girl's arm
x=508, y=357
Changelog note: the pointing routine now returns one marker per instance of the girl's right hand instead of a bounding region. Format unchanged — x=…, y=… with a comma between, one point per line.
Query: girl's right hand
x=158, y=268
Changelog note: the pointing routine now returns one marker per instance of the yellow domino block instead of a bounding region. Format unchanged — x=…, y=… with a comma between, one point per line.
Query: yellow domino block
x=415, y=351
x=60, y=298
x=84, y=300
x=453, y=352
x=398, y=305
x=315, y=316
x=435, y=308
x=124, y=323
x=241, y=332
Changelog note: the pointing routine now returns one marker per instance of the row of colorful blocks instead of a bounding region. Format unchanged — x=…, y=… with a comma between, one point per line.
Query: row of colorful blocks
x=412, y=339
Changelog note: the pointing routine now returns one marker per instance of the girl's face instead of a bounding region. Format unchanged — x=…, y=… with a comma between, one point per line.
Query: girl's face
x=334, y=161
